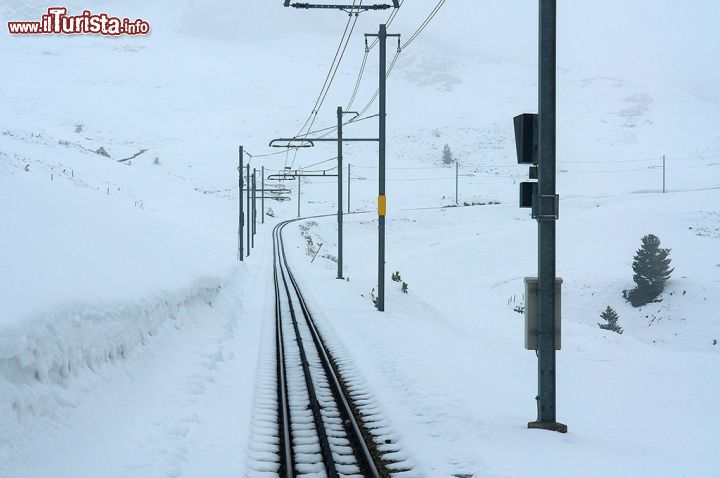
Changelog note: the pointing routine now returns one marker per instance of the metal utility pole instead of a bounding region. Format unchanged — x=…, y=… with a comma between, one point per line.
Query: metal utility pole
x=382, y=202
x=663, y=174
x=254, y=210
x=247, y=191
x=299, y=181
x=457, y=171
x=262, y=197
x=241, y=213
x=348, y=188
x=340, y=193
x=547, y=215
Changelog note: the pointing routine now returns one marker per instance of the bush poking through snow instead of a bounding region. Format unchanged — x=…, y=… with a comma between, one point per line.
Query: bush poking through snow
x=651, y=268
x=611, y=320
x=397, y=278
x=270, y=212
x=447, y=156
x=156, y=161
x=102, y=152
x=374, y=298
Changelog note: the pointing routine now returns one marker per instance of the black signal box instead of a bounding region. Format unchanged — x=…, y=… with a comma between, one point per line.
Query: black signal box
x=527, y=191
x=526, y=138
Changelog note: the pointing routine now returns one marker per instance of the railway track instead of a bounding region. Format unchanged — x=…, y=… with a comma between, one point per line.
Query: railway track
x=319, y=432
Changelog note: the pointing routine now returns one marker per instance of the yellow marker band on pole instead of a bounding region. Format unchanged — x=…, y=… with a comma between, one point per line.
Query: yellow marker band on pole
x=382, y=205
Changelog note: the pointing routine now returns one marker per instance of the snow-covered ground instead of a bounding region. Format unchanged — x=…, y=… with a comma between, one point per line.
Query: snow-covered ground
x=130, y=338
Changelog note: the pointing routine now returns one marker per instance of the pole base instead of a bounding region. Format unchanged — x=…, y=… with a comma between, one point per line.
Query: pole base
x=552, y=426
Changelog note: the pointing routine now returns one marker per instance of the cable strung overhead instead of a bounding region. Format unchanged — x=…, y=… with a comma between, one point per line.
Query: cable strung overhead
x=348, y=8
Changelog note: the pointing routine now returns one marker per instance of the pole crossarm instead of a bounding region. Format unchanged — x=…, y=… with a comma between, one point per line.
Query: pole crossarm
x=314, y=140
x=289, y=142
x=346, y=8
x=312, y=175
x=277, y=198
x=386, y=35
x=350, y=113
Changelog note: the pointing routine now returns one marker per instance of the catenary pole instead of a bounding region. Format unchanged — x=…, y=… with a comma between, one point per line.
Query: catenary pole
x=254, y=209
x=262, y=196
x=247, y=197
x=299, y=180
x=382, y=35
x=241, y=213
x=339, y=191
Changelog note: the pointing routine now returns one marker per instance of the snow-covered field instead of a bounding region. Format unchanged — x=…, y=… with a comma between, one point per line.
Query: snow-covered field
x=130, y=338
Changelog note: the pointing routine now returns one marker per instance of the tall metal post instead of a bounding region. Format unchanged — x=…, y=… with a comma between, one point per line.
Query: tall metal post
x=262, y=196
x=457, y=168
x=382, y=36
x=247, y=191
x=348, y=188
x=547, y=215
x=663, y=173
x=340, y=192
x=254, y=209
x=241, y=218
x=299, y=180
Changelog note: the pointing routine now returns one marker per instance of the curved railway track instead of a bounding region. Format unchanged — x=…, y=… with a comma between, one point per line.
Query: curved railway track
x=319, y=432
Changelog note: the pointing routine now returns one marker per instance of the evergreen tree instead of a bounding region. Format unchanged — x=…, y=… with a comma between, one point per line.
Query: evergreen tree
x=447, y=156
x=651, y=270
x=611, y=318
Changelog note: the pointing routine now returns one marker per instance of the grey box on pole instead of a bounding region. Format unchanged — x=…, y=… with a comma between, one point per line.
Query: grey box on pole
x=531, y=312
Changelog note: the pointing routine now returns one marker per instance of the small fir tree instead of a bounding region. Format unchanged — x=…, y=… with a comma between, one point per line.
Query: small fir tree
x=611, y=320
x=651, y=271
x=447, y=156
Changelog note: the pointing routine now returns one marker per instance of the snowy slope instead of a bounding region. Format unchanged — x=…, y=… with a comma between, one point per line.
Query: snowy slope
x=115, y=267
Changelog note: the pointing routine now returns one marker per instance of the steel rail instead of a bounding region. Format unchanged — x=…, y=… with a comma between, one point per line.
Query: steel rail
x=355, y=434
x=287, y=466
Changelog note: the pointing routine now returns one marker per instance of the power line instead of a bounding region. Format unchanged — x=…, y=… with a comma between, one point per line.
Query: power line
x=359, y=78
x=329, y=77
x=319, y=162
x=368, y=48
x=424, y=24
x=412, y=38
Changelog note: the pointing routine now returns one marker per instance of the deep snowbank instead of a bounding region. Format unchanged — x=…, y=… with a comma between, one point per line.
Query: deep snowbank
x=46, y=361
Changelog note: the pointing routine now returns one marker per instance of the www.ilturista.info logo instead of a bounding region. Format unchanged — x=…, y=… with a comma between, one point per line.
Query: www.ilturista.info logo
x=57, y=22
